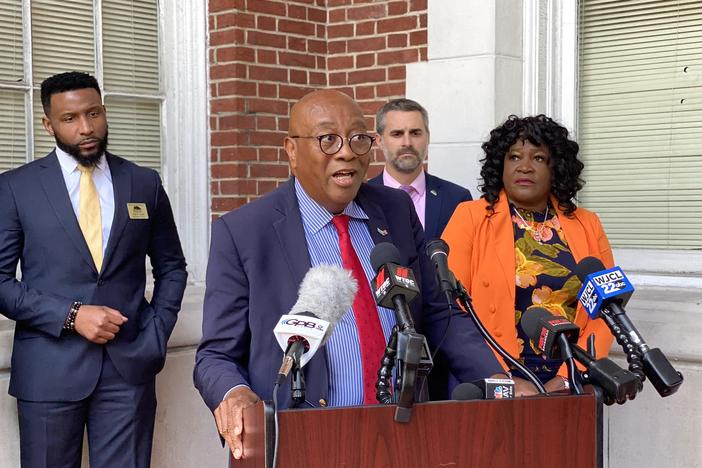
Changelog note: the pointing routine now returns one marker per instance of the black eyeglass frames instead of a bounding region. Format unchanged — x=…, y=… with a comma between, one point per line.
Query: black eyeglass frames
x=331, y=143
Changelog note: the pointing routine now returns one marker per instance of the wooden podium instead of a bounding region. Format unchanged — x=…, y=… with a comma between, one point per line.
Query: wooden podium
x=538, y=432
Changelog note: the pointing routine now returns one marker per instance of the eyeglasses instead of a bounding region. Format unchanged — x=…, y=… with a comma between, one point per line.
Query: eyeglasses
x=331, y=143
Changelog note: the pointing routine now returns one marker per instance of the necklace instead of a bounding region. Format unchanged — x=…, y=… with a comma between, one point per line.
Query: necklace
x=537, y=233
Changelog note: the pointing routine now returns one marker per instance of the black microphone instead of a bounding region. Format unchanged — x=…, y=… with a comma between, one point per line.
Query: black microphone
x=547, y=332
x=555, y=337
x=484, y=389
x=618, y=384
x=325, y=295
x=495, y=389
x=437, y=250
x=467, y=391
x=395, y=285
x=604, y=294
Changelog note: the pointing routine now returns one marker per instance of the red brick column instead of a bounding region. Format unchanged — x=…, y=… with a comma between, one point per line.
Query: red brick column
x=266, y=54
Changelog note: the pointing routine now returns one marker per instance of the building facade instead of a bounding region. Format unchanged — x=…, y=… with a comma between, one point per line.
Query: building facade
x=228, y=72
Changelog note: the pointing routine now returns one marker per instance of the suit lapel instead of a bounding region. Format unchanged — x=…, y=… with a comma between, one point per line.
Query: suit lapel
x=291, y=236
x=55, y=188
x=377, y=223
x=432, y=210
x=122, y=188
x=291, y=233
x=576, y=237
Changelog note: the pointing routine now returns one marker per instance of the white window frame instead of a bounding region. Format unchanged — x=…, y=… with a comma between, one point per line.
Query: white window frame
x=550, y=86
x=185, y=148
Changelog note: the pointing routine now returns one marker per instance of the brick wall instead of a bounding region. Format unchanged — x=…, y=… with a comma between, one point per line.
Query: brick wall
x=266, y=54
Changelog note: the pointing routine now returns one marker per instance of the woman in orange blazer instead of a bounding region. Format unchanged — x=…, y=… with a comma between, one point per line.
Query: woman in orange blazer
x=516, y=247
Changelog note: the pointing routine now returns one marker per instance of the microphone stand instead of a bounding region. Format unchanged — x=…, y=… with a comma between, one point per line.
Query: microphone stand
x=383, y=385
x=574, y=377
x=633, y=357
x=297, y=385
x=465, y=301
x=409, y=350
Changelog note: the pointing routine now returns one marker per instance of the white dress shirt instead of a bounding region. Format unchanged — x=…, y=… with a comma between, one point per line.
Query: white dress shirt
x=103, y=184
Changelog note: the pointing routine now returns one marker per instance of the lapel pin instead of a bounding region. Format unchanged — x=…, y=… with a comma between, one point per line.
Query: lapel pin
x=382, y=232
x=433, y=192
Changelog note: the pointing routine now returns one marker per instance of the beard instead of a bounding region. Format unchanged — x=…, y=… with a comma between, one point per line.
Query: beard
x=407, y=165
x=84, y=159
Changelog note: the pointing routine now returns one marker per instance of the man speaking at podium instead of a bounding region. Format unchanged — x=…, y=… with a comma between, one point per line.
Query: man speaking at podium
x=260, y=253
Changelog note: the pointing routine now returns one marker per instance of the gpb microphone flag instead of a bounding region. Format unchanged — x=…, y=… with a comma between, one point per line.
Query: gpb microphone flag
x=325, y=295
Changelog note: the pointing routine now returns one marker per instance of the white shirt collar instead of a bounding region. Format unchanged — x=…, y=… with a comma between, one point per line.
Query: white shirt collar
x=69, y=164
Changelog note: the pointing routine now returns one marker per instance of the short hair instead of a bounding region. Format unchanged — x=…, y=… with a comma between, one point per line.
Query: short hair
x=402, y=105
x=62, y=82
x=538, y=130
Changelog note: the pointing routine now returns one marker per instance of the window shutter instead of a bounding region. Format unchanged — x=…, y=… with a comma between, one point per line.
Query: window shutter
x=135, y=130
x=63, y=37
x=131, y=69
x=43, y=142
x=640, y=120
x=11, y=52
x=13, y=146
x=12, y=129
x=130, y=46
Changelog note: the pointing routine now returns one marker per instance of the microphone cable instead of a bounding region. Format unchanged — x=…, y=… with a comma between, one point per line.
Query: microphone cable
x=276, y=437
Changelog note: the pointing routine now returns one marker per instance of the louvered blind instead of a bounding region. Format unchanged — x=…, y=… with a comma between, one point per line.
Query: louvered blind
x=135, y=130
x=640, y=120
x=131, y=66
x=130, y=50
x=12, y=111
x=63, y=37
x=13, y=139
x=43, y=142
x=11, y=52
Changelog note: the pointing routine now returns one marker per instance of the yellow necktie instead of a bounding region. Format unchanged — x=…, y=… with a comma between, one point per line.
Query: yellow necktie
x=89, y=217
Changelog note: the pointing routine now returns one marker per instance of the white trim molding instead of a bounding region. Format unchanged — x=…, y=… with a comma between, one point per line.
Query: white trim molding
x=550, y=57
x=186, y=145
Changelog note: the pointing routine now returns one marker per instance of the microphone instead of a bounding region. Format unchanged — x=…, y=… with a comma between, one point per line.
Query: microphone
x=602, y=288
x=484, y=389
x=545, y=330
x=437, y=250
x=466, y=391
x=553, y=335
x=604, y=294
x=495, y=389
x=325, y=295
x=618, y=384
x=395, y=285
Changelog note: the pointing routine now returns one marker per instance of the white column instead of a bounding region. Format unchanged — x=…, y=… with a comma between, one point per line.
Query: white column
x=471, y=83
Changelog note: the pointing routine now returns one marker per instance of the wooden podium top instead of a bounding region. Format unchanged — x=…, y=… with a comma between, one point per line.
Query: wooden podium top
x=537, y=432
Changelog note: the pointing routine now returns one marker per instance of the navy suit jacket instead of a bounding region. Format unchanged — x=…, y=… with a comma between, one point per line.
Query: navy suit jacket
x=39, y=229
x=442, y=199
x=258, y=258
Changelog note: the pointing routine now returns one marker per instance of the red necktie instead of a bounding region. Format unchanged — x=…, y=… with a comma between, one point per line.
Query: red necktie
x=370, y=333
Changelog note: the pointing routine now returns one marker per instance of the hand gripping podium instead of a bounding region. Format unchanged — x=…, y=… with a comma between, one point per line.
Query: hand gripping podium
x=538, y=432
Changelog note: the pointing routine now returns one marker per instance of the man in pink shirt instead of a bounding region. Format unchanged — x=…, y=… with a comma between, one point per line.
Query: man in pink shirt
x=403, y=131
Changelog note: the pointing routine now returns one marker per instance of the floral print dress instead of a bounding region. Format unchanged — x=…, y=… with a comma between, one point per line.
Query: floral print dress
x=544, y=278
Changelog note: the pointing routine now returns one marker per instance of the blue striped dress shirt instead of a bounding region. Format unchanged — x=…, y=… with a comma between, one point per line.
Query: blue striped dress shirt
x=343, y=350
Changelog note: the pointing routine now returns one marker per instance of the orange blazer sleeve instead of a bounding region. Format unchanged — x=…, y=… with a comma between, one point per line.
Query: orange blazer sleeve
x=600, y=248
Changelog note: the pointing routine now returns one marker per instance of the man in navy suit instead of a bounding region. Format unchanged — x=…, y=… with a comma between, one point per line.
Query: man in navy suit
x=260, y=253
x=87, y=344
x=403, y=130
